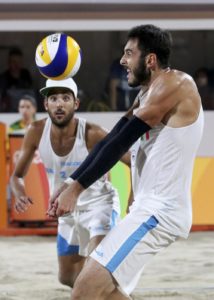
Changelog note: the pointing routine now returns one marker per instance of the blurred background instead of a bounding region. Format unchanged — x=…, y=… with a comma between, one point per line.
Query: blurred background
x=100, y=28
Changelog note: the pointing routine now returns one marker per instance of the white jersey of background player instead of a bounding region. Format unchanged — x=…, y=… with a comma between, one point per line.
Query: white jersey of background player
x=63, y=142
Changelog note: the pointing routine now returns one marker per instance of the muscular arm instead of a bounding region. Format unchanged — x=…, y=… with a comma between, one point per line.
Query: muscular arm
x=164, y=98
x=29, y=145
x=160, y=100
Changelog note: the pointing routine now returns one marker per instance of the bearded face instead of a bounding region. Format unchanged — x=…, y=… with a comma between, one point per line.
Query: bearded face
x=134, y=61
x=141, y=74
x=60, y=117
x=61, y=106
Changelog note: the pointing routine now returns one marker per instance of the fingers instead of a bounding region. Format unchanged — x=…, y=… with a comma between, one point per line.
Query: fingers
x=60, y=202
x=53, y=203
x=62, y=209
x=57, y=212
x=62, y=212
x=58, y=192
x=19, y=207
x=22, y=204
x=51, y=212
x=26, y=200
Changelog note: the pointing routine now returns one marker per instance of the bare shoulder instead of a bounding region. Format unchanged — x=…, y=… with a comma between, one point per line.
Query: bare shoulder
x=95, y=129
x=38, y=125
x=187, y=101
x=171, y=95
x=94, y=133
x=172, y=87
x=34, y=131
x=185, y=82
x=175, y=78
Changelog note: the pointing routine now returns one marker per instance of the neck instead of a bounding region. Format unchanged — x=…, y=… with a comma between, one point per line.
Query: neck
x=68, y=130
x=27, y=121
x=156, y=74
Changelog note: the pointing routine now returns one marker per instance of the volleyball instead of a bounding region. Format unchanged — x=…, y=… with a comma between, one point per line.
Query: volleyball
x=58, y=56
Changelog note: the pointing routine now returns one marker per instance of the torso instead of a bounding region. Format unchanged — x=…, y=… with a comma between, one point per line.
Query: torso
x=62, y=158
x=62, y=144
x=162, y=162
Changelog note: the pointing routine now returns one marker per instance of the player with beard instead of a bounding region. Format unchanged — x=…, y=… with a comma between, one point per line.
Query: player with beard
x=165, y=132
x=63, y=142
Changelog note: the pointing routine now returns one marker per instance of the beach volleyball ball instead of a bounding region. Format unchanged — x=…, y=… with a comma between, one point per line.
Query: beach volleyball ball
x=58, y=56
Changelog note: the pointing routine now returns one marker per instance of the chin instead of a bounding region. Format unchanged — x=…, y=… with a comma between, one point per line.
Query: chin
x=133, y=83
x=130, y=82
x=60, y=124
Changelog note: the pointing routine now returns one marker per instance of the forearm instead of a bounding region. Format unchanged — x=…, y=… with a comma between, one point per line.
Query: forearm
x=17, y=186
x=22, y=201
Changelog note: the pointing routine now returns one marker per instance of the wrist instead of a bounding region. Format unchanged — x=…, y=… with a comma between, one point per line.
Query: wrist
x=78, y=187
x=69, y=181
x=74, y=186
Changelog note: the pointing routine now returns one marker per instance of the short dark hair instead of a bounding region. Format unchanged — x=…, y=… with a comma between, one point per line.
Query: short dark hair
x=29, y=98
x=152, y=39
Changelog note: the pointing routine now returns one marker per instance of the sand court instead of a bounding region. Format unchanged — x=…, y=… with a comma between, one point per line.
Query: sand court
x=184, y=271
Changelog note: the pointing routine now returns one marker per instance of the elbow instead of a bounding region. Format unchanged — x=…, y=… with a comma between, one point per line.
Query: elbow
x=152, y=121
x=12, y=179
x=151, y=117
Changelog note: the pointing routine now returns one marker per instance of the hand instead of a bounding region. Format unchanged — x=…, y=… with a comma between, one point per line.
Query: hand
x=68, y=198
x=22, y=203
x=53, y=204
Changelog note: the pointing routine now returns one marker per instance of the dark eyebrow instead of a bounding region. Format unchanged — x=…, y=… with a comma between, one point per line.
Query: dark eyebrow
x=128, y=50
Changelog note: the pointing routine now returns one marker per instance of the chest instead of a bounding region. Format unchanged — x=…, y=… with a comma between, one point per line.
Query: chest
x=62, y=145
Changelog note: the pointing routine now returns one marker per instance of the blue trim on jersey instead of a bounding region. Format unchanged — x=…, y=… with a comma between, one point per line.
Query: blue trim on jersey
x=130, y=243
x=63, y=248
x=114, y=216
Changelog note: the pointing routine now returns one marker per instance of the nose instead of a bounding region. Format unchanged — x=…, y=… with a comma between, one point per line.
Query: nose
x=122, y=60
x=59, y=101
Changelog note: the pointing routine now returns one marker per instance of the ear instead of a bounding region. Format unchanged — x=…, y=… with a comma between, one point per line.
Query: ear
x=76, y=103
x=151, y=61
x=46, y=103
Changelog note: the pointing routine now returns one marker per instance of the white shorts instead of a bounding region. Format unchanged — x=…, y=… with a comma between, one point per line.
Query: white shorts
x=130, y=245
x=76, y=230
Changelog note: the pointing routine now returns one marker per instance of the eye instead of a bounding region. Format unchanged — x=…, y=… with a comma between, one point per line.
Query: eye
x=66, y=98
x=53, y=98
x=128, y=52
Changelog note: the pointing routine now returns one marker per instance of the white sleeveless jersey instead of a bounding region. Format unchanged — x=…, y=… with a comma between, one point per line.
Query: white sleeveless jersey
x=162, y=165
x=59, y=168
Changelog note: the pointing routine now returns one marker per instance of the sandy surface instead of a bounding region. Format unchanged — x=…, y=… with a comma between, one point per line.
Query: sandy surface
x=185, y=271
